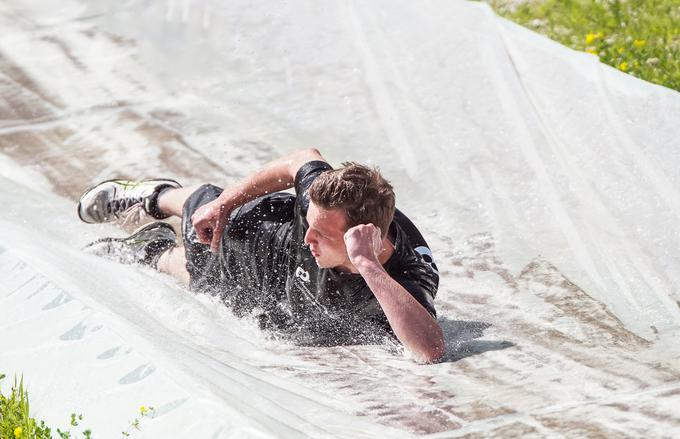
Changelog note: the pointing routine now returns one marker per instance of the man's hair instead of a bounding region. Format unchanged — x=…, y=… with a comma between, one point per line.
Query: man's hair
x=364, y=195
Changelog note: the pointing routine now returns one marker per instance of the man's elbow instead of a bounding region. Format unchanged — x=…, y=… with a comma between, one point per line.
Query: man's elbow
x=299, y=157
x=434, y=351
x=309, y=154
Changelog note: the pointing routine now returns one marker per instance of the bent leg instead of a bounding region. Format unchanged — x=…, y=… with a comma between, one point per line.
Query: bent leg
x=171, y=201
x=193, y=264
x=174, y=263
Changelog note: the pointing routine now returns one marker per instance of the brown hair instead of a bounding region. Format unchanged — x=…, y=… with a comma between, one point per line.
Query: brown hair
x=364, y=195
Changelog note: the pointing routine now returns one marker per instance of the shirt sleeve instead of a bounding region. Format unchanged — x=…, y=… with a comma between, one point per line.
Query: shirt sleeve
x=420, y=275
x=303, y=180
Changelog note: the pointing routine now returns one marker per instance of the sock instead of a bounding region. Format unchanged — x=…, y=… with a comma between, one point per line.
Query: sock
x=151, y=202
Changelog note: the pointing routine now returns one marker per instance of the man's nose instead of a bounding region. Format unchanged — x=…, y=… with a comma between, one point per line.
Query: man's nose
x=308, y=234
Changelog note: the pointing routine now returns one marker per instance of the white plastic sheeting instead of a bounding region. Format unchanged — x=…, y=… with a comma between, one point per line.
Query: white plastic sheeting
x=545, y=182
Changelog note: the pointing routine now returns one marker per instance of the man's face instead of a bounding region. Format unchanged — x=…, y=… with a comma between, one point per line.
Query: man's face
x=325, y=236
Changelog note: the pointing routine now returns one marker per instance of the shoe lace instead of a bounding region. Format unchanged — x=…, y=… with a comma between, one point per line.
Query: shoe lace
x=118, y=206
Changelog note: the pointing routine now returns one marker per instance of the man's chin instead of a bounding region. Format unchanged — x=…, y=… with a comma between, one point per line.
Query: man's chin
x=321, y=264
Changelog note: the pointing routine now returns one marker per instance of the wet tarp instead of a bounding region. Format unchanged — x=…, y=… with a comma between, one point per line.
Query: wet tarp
x=545, y=182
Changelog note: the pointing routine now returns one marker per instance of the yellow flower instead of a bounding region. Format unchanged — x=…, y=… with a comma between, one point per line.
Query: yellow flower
x=143, y=409
x=623, y=66
x=591, y=50
x=18, y=431
x=620, y=50
x=592, y=37
x=639, y=43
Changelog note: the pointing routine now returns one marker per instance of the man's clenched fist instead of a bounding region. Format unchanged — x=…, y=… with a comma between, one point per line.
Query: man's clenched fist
x=363, y=243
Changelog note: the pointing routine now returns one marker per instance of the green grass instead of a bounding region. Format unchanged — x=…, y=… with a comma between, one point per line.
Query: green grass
x=16, y=421
x=639, y=37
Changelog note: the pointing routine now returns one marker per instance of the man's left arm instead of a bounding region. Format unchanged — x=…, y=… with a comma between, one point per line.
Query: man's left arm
x=415, y=328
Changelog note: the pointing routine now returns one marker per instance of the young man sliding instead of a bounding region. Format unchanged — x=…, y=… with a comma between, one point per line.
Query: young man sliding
x=338, y=249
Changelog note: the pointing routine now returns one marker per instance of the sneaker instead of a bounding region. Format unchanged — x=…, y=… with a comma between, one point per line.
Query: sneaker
x=109, y=200
x=145, y=246
x=133, y=218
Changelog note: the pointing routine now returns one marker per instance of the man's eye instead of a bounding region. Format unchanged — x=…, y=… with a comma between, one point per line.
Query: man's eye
x=326, y=237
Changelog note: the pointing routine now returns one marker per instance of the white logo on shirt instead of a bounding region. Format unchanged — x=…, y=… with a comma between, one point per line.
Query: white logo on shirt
x=427, y=256
x=302, y=274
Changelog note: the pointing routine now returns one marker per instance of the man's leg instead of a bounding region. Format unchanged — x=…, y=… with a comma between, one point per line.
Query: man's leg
x=154, y=245
x=174, y=263
x=171, y=201
x=174, y=260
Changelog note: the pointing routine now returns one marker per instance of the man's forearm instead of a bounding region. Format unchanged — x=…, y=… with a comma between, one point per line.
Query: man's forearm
x=412, y=324
x=275, y=176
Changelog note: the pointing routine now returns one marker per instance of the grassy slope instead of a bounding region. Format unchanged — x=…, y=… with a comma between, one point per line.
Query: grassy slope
x=640, y=37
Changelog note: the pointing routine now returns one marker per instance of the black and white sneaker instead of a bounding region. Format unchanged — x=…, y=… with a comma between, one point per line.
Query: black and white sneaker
x=109, y=200
x=145, y=246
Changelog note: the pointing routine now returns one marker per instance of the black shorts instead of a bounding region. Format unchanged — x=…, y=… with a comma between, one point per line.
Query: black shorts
x=227, y=274
x=206, y=273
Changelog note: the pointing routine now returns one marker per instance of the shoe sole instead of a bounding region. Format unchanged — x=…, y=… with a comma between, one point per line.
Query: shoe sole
x=80, y=201
x=132, y=235
x=132, y=258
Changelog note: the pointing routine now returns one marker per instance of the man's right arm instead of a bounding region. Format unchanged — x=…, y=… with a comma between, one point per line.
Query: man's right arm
x=210, y=220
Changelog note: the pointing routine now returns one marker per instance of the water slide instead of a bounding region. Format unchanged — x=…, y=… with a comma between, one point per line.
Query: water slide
x=545, y=182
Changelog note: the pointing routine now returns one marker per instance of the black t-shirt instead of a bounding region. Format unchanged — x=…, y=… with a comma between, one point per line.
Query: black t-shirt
x=264, y=263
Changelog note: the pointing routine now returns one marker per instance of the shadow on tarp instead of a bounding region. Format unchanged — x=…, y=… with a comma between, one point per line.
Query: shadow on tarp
x=461, y=339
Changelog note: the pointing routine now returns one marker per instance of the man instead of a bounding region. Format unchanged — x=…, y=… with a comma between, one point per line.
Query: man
x=337, y=248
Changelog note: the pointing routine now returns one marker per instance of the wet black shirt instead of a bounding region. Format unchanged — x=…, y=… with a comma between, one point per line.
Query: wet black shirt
x=264, y=264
